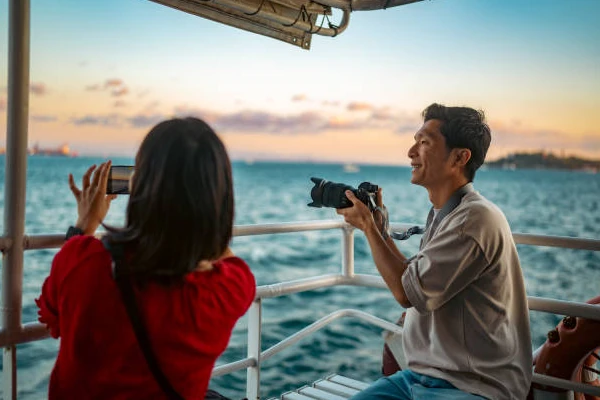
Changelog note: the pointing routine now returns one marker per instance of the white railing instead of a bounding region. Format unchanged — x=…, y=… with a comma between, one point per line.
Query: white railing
x=36, y=331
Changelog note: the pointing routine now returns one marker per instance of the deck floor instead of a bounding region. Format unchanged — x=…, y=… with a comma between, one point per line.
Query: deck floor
x=333, y=387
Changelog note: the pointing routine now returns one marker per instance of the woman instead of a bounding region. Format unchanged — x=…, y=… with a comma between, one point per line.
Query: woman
x=189, y=287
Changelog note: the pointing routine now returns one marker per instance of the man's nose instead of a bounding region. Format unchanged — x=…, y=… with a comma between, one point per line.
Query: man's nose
x=411, y=151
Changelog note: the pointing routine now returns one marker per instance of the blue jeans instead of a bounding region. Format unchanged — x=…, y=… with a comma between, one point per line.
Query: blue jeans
x=408, y=385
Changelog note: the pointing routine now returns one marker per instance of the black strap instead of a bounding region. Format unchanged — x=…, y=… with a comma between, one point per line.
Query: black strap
x=126, y=289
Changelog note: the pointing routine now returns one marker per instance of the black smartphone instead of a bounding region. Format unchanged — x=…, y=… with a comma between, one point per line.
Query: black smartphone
x=118, y=179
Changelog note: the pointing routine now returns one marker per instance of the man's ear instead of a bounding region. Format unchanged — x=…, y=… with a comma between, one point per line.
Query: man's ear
x=461, y=156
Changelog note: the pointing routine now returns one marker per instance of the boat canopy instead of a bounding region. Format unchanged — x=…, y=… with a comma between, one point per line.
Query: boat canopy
x=292, y=21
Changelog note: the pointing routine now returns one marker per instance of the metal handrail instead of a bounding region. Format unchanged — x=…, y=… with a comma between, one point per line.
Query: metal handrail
x=36, y=331
x=32, y=242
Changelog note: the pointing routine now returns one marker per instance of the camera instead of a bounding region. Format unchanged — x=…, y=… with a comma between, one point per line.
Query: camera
x=331, y=194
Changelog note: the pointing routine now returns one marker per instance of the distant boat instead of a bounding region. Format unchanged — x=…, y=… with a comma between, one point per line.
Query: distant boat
x=62, y=151
x=351, y=168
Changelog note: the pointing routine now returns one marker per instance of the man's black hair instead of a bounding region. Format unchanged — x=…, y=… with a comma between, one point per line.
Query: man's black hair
x=463, y=127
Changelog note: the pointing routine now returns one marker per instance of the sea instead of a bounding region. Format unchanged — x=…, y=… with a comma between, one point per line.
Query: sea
x=548, y=202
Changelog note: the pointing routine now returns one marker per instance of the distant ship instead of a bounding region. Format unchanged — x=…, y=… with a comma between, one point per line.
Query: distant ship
x=351, y=168
x=62, y=151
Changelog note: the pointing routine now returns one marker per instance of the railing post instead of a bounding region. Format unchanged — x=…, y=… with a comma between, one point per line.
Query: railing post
x=254, y=349
x=15, y=181
x=348, y=251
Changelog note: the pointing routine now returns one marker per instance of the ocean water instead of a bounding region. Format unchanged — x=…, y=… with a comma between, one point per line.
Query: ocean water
x=539, y=202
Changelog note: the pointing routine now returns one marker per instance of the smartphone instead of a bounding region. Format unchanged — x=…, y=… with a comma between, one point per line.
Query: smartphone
x=118, y=179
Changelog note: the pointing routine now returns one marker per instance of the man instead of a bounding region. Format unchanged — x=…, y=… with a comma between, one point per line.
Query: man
x=466, y=331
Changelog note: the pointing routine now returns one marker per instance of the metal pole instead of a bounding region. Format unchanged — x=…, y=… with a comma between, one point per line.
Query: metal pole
x=348, y=251
x=15, y=181
x=254, y=348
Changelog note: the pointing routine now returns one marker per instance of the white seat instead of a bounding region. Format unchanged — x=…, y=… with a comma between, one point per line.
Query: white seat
x=333, y=387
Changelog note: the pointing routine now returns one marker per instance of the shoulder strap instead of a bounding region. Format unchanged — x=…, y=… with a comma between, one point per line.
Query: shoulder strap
x=128, y=296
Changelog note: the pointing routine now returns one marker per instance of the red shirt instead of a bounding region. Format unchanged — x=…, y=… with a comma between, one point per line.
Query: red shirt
x=188, y=324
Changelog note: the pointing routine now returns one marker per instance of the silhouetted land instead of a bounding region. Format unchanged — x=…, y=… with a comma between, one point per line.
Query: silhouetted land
x=544, y=161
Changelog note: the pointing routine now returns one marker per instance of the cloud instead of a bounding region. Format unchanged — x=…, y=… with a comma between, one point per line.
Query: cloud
x=505, y=135
x=408, y=126
x=113, y=83
x=331, y=103
x=185, y=111
x=38, y=88
x=299, y=97
x=258, y=121
x=152, y=105
x=265, y=122
x=359, y=106
x=145, y=120
x=143, y=93
x=382, y=114
x=112, y=120
x=119, y=103
x=92, y=88
x=118, y=92
x=43, y=118
x=591, y=142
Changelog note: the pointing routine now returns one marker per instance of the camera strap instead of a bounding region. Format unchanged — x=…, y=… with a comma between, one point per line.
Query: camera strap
x=127, y=294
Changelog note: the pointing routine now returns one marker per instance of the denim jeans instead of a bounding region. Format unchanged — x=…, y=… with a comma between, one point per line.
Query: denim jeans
x=409, y=385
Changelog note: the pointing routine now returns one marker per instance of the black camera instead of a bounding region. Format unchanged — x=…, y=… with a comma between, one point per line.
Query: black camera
x=331, y=194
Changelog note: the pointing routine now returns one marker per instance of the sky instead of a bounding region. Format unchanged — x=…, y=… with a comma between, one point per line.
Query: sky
x=104, y=72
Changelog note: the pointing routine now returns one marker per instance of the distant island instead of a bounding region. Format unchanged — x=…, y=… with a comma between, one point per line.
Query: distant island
x=543, y=160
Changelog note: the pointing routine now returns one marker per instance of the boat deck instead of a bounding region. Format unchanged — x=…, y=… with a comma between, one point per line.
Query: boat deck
x=333, y=387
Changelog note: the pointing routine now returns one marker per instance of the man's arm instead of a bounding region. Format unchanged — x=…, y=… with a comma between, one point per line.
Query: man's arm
x=389, y=261
x=379, y=219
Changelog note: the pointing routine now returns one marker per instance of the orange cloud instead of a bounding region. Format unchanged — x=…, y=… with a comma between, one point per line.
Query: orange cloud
x=358, y=106
x=111, y=83
x=299, y=97
x=38, y=88
x=43, y=118
x=118, y=92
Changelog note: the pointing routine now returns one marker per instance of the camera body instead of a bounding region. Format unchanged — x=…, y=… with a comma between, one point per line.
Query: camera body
x=118, y=179
x=331, y=194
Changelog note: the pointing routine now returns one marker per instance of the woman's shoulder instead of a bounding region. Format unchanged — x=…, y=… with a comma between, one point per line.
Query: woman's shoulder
x=82, y=243
x=230, y=284
x=229, y=268
x=77, y=252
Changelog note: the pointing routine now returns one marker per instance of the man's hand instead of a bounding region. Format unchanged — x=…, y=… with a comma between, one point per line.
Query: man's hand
x=92, y=201
x=358, y=215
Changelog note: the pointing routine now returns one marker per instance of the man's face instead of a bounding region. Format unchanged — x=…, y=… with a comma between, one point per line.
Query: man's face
x=429, y=156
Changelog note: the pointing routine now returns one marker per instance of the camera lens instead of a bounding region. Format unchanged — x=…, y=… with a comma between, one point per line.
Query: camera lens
x=329, y=194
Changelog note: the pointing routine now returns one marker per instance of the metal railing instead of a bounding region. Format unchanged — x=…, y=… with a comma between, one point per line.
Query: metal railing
x=14, y=242
x=36, y=331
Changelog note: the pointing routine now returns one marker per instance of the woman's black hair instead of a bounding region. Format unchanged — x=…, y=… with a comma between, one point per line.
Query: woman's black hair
x=181, y=206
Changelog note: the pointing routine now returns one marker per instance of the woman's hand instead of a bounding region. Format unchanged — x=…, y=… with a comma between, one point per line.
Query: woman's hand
x=92, y=201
